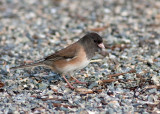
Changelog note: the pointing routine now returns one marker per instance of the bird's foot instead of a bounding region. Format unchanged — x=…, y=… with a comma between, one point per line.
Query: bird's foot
x=77, y=81
x=70, y=86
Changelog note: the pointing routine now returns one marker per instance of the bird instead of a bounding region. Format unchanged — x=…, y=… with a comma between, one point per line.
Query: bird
x=74, y=57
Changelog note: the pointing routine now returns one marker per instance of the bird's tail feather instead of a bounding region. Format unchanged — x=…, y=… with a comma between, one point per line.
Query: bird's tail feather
x=28, y=65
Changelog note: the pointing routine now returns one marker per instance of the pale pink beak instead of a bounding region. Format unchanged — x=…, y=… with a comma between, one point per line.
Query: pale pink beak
x=101, y=45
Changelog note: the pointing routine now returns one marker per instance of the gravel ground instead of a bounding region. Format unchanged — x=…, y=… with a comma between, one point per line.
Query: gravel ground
x=124, y=79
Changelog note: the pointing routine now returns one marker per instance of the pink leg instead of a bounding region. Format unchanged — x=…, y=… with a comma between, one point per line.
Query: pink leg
x=70, y=86
x=77, y=81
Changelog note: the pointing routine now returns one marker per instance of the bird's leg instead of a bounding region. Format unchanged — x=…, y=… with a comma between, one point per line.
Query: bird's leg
x=69, y=84
x=77, y=81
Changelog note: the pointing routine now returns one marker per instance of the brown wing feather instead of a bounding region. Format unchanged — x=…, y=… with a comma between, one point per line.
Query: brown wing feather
x=66, y=53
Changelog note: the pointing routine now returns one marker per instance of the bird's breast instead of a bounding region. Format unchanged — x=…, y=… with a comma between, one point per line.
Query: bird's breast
x=78, y=62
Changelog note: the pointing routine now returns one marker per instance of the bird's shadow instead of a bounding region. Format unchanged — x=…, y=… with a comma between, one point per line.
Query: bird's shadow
x=41, y=73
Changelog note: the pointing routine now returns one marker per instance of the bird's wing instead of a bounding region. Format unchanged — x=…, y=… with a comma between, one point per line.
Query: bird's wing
x=66, y=53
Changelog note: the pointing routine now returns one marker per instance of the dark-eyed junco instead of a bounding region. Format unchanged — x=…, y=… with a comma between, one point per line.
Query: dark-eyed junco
x=75, y=56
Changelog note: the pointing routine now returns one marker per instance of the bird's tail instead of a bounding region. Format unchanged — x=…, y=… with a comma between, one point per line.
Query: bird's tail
x=28, y=65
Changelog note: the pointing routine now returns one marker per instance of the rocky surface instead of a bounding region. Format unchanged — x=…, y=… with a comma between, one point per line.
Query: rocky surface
x=124, y=79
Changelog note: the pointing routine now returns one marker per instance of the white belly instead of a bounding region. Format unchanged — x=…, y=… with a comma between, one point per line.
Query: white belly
x=79, y=65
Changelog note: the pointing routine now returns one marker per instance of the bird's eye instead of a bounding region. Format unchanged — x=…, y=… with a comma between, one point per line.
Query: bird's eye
x=95, y=41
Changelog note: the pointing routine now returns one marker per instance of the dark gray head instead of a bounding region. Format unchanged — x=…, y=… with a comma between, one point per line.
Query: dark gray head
x=92, y=42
